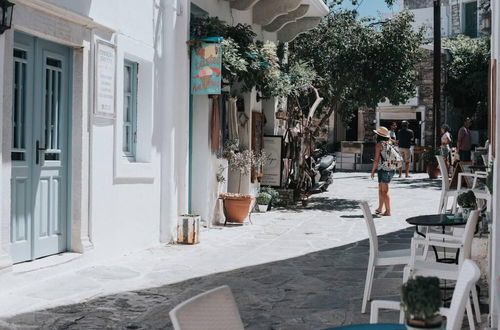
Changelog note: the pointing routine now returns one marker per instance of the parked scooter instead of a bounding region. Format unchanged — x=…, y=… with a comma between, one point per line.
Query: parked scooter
x=324, y=168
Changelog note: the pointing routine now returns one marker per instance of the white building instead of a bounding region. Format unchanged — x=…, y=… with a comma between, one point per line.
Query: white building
x=94, y=126
x=101, y=144
x=271, y=20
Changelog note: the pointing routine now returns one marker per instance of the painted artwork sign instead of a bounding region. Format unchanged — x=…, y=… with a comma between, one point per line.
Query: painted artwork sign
x=273, y=168
x=105, y=79
x=206, y=66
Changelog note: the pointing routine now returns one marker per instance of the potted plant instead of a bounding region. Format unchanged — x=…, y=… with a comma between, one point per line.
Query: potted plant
x=431, y=162
x=421, y=300
x=467, y=202
x=237, y=205
x=263, y=200
x=275, y=196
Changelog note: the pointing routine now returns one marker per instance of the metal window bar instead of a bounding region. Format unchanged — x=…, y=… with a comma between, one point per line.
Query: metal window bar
x=18, y=122
x=53, y=72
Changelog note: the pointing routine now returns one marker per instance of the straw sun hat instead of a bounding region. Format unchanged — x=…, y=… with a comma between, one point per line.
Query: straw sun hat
x=382, y=131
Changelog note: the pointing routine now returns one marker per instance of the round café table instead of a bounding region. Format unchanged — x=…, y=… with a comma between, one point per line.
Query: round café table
x=378, y=326
x=443, y=220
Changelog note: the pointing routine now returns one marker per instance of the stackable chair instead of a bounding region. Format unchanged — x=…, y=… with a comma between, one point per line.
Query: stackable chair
x=467, y=277
x=446, y=191
x=378, y=258
x=419, y=267
x=212, y=310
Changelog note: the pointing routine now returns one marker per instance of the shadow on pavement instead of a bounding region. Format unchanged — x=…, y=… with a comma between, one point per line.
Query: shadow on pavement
x=415, y=183
x=314, y=291
x=324, y=204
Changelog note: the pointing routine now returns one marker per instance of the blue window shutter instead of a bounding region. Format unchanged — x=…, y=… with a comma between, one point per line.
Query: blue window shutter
x=130, y=109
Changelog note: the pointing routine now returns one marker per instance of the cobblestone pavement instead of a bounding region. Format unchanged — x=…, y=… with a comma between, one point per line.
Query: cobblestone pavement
x=300, y=268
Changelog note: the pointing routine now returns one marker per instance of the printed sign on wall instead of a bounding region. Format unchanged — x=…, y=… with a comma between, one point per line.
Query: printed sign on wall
x=206, y=66
x=105, y=77
x=272, y=168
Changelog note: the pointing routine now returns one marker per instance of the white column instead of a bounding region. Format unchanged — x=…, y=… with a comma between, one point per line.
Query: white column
x=5, y=142
x=171, y=108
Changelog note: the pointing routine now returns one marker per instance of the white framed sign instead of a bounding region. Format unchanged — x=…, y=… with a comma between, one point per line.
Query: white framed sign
x=273, y=168
x=105, y=79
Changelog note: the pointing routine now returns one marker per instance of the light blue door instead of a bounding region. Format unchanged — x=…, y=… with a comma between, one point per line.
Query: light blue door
x=41, y=111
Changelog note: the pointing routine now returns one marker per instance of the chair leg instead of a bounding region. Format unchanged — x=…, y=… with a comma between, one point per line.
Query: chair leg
x=470, y=316
x=368, y=284
x=475, y=301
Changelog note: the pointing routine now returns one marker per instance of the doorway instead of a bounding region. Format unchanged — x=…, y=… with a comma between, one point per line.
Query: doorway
x=40, y=148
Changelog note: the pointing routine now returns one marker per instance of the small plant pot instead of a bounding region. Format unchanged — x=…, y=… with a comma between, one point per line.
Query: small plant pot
x=437, y=322
x=188, y=229
x=263, y=208
x=466, y=213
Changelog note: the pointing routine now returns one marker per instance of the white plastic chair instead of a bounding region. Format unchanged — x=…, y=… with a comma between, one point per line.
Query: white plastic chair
x=467, y=278
x=378, y=258
x=419, y=267
x=446, y=192
x=212, y=310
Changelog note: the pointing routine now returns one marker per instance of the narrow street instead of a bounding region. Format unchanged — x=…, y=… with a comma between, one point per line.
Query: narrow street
x=300, y=268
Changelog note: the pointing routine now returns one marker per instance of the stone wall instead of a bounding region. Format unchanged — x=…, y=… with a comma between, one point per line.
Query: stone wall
x=455, y=19
x=417, y=4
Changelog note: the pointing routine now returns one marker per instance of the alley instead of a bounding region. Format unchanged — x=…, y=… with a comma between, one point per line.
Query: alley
x=292, y=268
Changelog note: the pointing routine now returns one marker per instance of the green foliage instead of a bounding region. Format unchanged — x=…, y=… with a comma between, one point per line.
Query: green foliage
x=467, y=200
x=467, y=75
x=430, y=155
x=275, y=196
x=421, y=297
x=253, y=63
x=263, y=198
x=361, y=65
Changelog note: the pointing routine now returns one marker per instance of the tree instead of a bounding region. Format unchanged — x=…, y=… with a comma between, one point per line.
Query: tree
x=467, y=83
x=361, y=64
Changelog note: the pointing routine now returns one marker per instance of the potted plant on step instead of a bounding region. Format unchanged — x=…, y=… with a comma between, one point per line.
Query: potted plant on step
x=263, y=200
x=421, y=300
x=431, y=162
x=467, y=202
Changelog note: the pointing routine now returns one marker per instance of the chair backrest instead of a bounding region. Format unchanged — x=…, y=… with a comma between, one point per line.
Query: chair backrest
x=212, y=310
x=467, y=277
x=370, y=225
x=444, y=172
x=468, y=236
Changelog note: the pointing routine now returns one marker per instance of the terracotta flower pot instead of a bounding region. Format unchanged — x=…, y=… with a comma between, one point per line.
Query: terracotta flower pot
x=236, y=208
x=433, y=171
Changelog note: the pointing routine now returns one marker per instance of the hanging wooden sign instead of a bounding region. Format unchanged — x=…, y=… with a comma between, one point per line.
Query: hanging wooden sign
x=206, y=68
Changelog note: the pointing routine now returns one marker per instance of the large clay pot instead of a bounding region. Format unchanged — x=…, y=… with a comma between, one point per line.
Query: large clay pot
x=433, y=171
x=236, y=208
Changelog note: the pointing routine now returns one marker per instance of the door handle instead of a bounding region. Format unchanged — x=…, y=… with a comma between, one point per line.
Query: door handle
x=38, y=149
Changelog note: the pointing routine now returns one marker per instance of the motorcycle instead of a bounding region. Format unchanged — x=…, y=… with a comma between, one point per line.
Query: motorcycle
x=323, y=170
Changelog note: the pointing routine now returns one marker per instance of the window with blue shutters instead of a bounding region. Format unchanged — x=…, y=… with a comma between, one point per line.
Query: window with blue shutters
x=130, y=109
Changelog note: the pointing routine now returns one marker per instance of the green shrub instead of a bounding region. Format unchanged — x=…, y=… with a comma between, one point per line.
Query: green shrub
x=467, y=200
x=263, y=198
x=275, y=195
x=421, y=298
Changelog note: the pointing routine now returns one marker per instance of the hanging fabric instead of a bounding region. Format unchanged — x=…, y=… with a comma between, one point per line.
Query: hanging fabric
x=215, y=123
x=223, y=120
x=233, y=119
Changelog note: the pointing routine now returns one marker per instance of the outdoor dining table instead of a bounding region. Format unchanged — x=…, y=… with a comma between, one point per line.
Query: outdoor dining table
x=378, y=326
x=442, y=220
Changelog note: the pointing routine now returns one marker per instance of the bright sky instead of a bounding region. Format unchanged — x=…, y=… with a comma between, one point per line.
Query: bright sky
x=370, y=7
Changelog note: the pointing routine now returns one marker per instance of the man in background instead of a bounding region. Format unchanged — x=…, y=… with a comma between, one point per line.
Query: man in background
x=464, y=141
x=405, y=139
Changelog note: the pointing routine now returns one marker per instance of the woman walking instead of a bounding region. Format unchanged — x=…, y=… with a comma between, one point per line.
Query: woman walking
x=445, y=144
x=383, y=150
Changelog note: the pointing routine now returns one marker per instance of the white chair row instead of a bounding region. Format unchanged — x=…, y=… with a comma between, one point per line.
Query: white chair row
x=418, y=265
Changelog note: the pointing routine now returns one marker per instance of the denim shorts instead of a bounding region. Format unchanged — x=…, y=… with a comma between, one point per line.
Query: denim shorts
x=385, y=176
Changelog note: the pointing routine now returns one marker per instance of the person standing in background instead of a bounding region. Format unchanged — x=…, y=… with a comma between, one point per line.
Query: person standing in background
x=405, y=139
x=445, y=144
x=464, y=141
x=392, y=133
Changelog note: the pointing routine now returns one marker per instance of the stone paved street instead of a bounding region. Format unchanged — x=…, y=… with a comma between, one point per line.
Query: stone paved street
x=299, y=268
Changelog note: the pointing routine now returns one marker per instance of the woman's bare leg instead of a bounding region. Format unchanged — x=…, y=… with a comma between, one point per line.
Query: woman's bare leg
x=387, y=199
x=381, y=199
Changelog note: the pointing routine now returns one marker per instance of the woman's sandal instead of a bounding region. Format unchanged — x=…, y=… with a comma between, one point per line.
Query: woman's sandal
x=386, y=214
x=378, y=212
